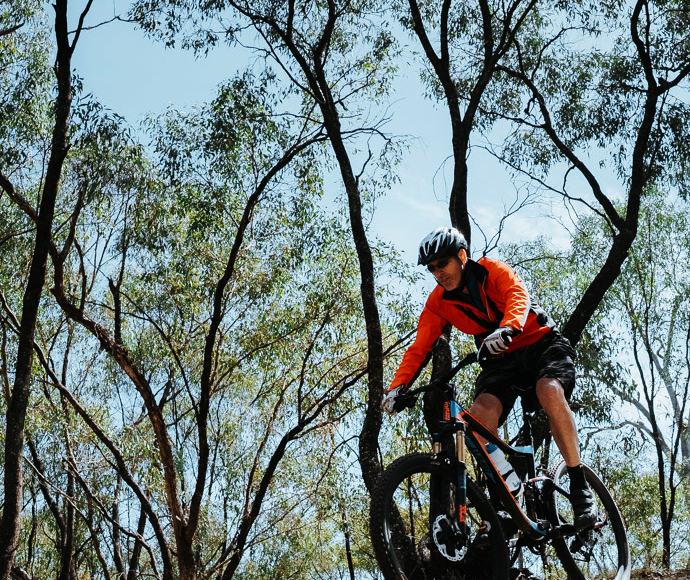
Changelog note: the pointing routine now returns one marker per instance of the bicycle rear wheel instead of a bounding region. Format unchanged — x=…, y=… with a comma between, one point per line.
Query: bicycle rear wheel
x=412, y=525
x=598, y=553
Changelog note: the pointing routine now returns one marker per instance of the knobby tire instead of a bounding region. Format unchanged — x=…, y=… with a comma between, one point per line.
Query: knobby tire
x=405, y=540
x=597, y=554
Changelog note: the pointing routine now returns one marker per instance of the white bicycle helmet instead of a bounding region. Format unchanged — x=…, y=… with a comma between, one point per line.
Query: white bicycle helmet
x=440, y=243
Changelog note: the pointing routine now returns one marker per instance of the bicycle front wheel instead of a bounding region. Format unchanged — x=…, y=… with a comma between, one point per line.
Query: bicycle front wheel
x=600, y=552
x=413, y=526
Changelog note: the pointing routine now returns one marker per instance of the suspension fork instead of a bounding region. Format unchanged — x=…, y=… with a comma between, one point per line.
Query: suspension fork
x=461, y=485
x=439, y=497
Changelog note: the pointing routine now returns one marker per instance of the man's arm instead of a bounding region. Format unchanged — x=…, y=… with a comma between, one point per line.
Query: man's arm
x=429, y=328
x=504, y=285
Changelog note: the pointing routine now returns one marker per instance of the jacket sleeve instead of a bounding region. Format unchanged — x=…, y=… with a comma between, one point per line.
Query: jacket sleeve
x=429, y=328
x=505, y=286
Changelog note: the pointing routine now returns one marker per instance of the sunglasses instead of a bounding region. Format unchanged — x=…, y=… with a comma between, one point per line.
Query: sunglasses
x=438, y=265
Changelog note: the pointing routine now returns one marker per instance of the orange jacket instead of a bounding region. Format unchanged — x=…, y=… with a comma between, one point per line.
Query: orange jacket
x=496, y=297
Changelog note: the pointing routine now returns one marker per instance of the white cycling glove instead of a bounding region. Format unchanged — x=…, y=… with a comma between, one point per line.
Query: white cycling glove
x=388, y=404
x=498, y=340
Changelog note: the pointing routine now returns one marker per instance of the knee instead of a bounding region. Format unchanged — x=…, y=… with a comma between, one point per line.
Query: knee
x=487, y=409
x=552, y=396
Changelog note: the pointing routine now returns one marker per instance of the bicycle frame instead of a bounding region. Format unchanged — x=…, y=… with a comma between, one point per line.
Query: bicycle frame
x=536, y=530
x=458, y=420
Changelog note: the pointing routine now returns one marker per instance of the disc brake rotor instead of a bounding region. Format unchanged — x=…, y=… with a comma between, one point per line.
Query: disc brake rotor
x=449, y=541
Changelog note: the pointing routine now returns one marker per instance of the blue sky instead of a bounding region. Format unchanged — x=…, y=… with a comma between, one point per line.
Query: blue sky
x=135, y=77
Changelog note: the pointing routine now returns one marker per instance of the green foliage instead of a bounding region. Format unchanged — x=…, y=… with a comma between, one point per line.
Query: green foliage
x=156, y=216
x=621, y=458
x=25, y=77
x=632, y=395
x=154, y=236
x=590, y=73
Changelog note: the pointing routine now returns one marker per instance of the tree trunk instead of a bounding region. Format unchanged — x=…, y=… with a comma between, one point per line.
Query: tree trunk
x=348, y=548
x=117, y=545
x=595, y=292
x=133, y=571
x=371, y=427
x=16, y=412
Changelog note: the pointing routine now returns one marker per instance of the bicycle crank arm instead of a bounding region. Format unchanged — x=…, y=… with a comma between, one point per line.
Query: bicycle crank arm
x=562, y=531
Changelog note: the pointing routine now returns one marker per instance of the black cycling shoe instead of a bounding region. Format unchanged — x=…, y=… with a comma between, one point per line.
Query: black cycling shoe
x=584, y=508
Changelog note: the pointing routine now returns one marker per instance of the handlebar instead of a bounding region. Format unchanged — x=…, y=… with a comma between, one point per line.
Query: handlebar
x=408, y=399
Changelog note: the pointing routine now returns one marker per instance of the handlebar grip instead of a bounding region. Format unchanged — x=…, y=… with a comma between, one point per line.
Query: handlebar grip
x=404, y=401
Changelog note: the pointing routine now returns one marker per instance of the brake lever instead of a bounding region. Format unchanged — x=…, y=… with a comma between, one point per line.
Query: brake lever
x=482, y=354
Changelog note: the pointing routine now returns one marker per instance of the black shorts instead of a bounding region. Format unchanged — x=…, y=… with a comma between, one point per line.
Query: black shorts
x=516, y=373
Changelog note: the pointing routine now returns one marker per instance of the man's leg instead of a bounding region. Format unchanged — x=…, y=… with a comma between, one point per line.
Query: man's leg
x=562, y=423
x=487, y=409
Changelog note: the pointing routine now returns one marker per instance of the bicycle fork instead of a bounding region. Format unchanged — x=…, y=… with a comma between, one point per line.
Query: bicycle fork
x=460, y=495
x=461, y=488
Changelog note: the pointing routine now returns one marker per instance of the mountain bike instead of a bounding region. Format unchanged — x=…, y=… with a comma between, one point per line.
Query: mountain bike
x=430, y=520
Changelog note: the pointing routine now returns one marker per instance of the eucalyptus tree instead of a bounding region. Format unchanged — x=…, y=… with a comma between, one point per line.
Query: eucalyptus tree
x=596, y=91
x=590, y=91
x=53, y=439
x=332, y=57
x=181, y=277
x=186, y=318
x=464, y=42
x=586, y=87
x=45, y=189
x=651, y=301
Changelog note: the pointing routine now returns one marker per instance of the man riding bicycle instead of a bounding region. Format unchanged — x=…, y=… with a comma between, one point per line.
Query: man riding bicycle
x=528, y=357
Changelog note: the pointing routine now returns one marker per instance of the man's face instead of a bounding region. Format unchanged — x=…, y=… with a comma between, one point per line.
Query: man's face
x=448, y=271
